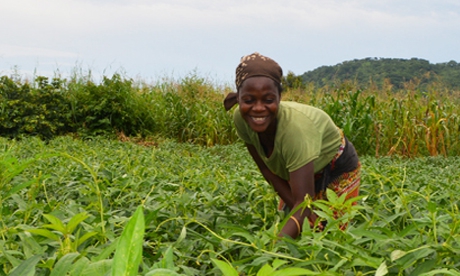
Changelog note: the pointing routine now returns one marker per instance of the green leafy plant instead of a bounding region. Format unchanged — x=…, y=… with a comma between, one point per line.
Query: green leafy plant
x=208, y=211
x=128, y=255
x=62, y=233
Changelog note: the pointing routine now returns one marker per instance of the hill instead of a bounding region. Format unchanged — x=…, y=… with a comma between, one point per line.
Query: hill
x=377, y=71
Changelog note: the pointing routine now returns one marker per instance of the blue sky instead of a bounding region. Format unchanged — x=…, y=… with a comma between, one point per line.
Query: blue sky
x=150, y=40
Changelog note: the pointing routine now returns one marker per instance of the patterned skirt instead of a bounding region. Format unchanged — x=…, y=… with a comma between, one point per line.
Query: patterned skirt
x=346, y=182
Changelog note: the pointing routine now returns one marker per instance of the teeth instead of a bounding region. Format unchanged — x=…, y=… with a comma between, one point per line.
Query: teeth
x=259, y=119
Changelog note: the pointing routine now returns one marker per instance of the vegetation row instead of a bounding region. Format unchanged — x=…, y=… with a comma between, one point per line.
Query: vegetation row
x=379, y=121
x=99, y=206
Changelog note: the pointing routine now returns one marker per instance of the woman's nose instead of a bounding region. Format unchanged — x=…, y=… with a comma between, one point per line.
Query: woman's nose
x=258, y=106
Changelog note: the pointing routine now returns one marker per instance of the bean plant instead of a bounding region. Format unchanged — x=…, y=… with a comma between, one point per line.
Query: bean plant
x=100, y=206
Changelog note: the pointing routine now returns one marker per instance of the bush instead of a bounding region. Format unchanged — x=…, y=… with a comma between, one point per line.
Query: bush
x=77, y=106
x=35, y=111
x=111, y=106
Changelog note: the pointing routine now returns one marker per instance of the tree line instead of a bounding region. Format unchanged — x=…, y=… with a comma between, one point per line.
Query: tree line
x=381, y=72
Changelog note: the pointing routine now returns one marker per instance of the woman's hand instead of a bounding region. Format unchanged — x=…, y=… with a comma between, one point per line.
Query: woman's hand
x=301, y=183
x=293, y=192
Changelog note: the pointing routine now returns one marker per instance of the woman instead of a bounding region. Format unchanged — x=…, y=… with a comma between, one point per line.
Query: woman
x=297, y=148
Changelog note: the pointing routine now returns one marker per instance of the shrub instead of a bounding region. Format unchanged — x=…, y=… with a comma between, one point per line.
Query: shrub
x=104, y=108
x=34, y=111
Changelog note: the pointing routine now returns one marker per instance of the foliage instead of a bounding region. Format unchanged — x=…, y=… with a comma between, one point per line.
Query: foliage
x=413, y=124
x=33, y=110
x=114, y=105
x=188, y=110
x=291, y=81
x=380, y=122
x=76, y=106
x=207, y=211
x=191, y=110
x=377, y=71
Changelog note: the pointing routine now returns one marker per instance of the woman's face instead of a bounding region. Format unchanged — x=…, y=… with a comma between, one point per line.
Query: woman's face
x=259, y=98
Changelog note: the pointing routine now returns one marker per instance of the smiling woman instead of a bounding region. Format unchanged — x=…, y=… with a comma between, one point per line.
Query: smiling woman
x=297, y=148
x=259, y=100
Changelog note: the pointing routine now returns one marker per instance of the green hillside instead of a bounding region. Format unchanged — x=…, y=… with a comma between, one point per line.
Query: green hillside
x=378, y=71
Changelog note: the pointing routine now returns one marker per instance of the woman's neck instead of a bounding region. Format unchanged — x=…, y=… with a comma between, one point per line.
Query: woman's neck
x=267, y=139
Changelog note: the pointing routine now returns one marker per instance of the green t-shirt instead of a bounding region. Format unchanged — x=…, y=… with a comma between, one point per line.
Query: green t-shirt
x=304, y=134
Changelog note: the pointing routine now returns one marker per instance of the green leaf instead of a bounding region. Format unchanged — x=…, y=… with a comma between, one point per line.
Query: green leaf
x=45, y=233
x=278, y=263
x=56, y=223
x=168, y=259
x=225, y=267
x=64, y=264
x=106, y=252
x=83, y=238
x=182, y=235
x=396, y=254
x=322, y=214
x=366, y=260
x=339, y=264
x=30, y=245
x=79, y=266
x=162, y=272
x=8, y=254
x=332, y=196
x=56, y=228
x=265, y=270
x=250, y=238
x=408, y=230
x=382, y=270
x=412, y=256
x=424, y=267
x=26, y=268
x=369, y=234
x=443, y=271
x=17, y=188
x=75, y=221
x=99, y=268
x=129, y=249
x=431, y=206
x=293, y=271
x=22, y=205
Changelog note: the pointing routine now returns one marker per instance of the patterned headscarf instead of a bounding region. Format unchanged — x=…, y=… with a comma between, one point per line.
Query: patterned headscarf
x=253, y=65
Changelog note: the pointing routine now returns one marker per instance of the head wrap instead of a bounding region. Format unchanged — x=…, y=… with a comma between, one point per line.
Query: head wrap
x=256, y=65
x=253, y=65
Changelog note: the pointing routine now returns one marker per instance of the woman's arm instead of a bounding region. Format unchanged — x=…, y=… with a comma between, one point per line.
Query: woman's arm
x=293, y=192
x=280, y=185
x=301, y=183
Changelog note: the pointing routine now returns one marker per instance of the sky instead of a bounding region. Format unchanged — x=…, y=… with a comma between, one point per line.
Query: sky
x=157, y=39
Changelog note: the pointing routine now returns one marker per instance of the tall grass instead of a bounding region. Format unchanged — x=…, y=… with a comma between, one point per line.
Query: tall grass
x=190, y=110
x=408, y=122
x=380, y=122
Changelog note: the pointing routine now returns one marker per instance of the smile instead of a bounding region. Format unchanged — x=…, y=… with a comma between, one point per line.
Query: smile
x=259, y=119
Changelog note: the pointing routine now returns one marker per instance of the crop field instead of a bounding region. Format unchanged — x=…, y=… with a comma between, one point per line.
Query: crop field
x=100, y=206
